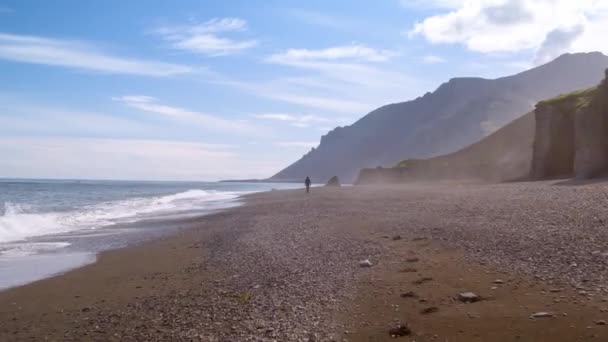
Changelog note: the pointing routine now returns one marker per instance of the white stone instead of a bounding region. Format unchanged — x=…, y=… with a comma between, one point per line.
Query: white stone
x=365, y=263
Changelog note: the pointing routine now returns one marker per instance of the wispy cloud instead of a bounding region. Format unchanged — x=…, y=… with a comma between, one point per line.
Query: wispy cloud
x=324, y=82
x=282, y=90
x=432, y=59
x=208, y=38
x=357, y=52
x=296, y=120
x=207, y=121
x=298, y=144
x=47, y=120
x=79, y=55
x=142, y=159
x=320, y=102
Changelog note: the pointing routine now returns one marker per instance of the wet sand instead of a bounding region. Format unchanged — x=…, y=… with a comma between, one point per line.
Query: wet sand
x=285, y=267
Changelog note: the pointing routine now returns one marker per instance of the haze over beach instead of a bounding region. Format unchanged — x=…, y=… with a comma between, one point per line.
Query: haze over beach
x=319, y=171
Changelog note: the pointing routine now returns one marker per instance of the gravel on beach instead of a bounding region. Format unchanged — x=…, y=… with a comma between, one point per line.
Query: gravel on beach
x=283, y=266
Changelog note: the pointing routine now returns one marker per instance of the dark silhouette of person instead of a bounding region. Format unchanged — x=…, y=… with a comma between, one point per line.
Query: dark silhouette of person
x=307, y=182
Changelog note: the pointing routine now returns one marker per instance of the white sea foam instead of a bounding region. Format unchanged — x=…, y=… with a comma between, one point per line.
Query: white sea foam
x=21, y=221
x=24, y=249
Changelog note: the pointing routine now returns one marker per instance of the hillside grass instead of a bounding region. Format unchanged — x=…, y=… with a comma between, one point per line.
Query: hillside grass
x=580, y=98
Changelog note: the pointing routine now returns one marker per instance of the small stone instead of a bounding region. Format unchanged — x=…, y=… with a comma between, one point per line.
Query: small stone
x=429, y=310
x=399, y=331
x=555, y=290
x=541, y=314
x=409, y=270
x=414, y=259
x=396, y=237
x=468, y=297
x=409, y=294
x=365, y=263
x=422, y=280
x=499, y=281
x=600, y=322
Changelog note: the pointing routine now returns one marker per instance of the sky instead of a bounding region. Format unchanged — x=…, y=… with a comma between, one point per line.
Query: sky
x=209, y=90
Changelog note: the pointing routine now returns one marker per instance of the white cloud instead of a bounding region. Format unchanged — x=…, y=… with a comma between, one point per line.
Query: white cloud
x=296, y=120
x=298, y=144
x=320, y=102
x=206, y=121
x=29, y=157
x=357, y=52
x=204, y=38
x=78, y=55
x=345, y=87
x=40, y=119
x=546, y=27
x=432, y=59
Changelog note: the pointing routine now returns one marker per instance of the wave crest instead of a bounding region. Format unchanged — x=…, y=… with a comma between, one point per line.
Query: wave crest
x=19, y=221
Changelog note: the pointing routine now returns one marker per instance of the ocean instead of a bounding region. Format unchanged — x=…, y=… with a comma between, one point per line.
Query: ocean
x=50, y=226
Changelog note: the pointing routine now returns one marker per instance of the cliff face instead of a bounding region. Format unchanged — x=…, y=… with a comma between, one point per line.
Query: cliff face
x=458, y=113
x=591, y=135
x=554, y=140
x=572, y=135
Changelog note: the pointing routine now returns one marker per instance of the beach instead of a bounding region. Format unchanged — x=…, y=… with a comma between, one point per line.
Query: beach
x=286, y=266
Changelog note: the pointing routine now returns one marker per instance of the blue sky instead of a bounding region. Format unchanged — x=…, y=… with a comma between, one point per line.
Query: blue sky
x=237, y=89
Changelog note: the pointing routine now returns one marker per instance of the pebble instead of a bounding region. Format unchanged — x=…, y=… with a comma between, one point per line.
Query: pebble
x=365, y=263
x=409, y=294
x=399, y=331
x=541, y=314
x=429, y=310
x=422, y=280
x=468, y=297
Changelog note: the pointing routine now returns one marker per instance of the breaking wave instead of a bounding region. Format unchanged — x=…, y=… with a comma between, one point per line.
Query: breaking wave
x=19, y=221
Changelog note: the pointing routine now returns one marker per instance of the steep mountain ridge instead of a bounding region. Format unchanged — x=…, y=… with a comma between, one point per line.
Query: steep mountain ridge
x=460, y=112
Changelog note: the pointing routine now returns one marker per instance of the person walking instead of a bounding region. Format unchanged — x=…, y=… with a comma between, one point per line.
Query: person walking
x=307, y=182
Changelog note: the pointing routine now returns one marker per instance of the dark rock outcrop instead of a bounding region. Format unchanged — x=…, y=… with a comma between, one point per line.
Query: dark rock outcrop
x=334, y=181
x=458, y=113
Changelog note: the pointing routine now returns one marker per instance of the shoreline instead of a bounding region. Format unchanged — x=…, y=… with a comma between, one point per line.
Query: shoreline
x=83, y=247
x=284, y=266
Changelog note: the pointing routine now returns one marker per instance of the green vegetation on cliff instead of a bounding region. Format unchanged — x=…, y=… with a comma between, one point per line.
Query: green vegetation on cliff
x=577, y=99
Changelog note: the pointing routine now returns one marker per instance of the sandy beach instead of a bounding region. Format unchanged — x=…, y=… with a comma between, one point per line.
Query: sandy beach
x=285, y=266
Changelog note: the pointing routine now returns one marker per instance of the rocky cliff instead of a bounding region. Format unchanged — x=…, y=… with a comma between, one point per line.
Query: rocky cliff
x=458, y=113
x=571, y=137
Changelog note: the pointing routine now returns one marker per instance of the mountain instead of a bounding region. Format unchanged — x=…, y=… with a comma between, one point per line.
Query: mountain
x=504, y=155
x=460, y=112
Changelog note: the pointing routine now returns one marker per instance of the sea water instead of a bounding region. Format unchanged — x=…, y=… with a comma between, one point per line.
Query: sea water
x=50, y=226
